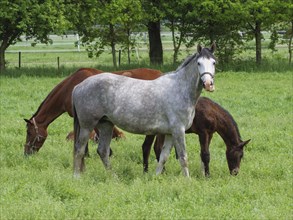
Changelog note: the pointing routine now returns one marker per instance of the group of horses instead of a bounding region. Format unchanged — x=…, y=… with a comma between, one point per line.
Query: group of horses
x=141, y=101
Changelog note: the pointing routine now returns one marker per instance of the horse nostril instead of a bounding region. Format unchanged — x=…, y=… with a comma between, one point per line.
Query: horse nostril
x=234, y=172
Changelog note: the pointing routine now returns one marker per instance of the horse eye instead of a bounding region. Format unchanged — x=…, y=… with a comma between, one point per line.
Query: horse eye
x=198, y=63
x=214, y=63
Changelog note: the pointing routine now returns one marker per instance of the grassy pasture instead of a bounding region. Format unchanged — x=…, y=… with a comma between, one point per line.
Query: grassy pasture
x=42, y=187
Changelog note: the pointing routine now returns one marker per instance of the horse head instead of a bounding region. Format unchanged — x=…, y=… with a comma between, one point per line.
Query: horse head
x=234, y=157
x=35, y=137
x=206, y=66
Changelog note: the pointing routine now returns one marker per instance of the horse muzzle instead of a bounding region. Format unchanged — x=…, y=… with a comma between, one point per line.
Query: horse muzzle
x=29, y=151
x=208, y=81
x=234, y=172
x=209, y=86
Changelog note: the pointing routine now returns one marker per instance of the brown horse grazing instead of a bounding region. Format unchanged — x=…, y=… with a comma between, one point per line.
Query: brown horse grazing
x=58, y=101
x=209, y=118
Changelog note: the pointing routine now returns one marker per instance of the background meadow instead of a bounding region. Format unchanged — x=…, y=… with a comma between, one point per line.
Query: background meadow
x=42, y=186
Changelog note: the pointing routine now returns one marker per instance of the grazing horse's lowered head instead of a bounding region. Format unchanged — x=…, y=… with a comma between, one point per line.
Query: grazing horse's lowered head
x=234, y=157
x=35, y=137
x=58, y=101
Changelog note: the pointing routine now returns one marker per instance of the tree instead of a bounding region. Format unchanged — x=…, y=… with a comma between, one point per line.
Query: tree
x=178, y=20
x=153, y=16
x=34, y=19
x=261, y=15
x=218, y=21
x=102, y=23
x=286, y=24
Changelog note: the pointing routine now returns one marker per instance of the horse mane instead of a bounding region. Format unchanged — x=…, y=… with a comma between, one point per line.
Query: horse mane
x=230, y=117
x=187, y=61
x=49, y=95
x=205, y=52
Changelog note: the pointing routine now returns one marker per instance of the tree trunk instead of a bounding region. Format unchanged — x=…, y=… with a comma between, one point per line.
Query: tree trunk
x=175, y=48
x=113, y=49
x=114, y=55
x=2, y=59
x=156, y=49
x=258, y=42
x=128, y=45
x=3, y=47
x=290, y=44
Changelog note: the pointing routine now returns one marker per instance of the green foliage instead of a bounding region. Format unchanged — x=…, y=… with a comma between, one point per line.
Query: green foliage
x=179, y=19
x=42, y=186
x=34, y=19
x=105, y=23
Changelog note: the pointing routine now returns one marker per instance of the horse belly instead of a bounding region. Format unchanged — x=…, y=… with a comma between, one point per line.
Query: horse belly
x=139, y=126
x=140, y=120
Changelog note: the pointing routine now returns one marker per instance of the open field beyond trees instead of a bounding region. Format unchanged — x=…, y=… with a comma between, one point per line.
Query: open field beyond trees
x=42, y=186
x=64, y=49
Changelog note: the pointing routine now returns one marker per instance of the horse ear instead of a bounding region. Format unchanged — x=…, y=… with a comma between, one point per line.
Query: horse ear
x=213, y=47
x=243, y=143
x=199, y=48
x=27, y=121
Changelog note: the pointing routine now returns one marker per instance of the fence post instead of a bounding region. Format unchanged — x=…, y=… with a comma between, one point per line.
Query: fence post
x=119, y=57
x=19, y=59
x=58, y=62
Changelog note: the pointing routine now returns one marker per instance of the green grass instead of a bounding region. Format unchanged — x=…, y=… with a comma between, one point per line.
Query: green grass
x=42, y=186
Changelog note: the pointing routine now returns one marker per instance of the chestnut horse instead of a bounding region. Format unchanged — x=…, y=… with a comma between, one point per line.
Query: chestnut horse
x=209, y=118
x=58, y=101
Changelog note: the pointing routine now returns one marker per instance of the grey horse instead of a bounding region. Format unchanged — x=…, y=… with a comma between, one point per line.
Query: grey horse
x=165, y=105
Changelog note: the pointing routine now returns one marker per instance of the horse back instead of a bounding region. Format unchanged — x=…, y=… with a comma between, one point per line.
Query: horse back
x=70, y=82
x=210, y=117
x=205, y=118
x=140, y=73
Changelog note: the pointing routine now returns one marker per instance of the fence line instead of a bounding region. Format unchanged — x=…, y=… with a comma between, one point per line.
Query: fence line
x=58, y=60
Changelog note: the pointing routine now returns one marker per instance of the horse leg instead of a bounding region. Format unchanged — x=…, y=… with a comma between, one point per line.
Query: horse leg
x=79, y=151
x=168, y=143
x=87, y=153
x=180, y=145
x=205, y=139
x=146, y=148
x=158, y=146
x=97, y=139
x=106, y=130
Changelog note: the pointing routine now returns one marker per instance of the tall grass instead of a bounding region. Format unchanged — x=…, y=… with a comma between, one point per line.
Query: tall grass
x=42, y=187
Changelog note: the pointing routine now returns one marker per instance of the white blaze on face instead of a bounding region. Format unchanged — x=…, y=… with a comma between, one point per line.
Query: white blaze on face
x=206, y=69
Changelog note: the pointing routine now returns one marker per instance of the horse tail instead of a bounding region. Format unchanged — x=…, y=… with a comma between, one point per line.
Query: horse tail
x=76, y=130
x=75, y=124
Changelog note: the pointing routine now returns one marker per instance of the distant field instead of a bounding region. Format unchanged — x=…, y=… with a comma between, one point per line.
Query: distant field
x=42, y=187
x=70, y=55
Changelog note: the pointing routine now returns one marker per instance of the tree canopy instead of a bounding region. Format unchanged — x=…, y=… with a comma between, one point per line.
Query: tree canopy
x=33, y=19
x=108, y=23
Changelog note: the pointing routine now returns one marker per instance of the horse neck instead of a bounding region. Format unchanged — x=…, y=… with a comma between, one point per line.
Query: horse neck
x=189, y=81
x=48, y=111
x=228, y=129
